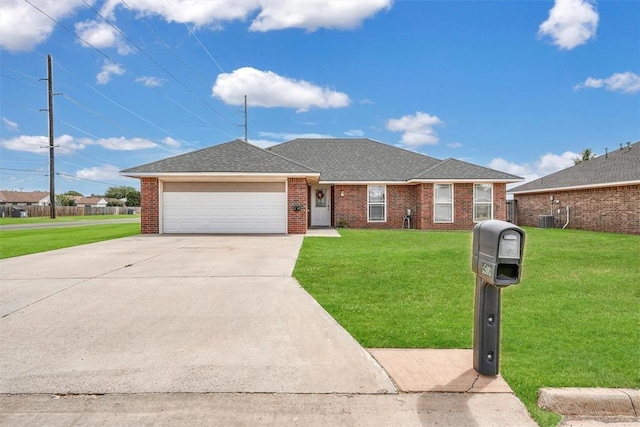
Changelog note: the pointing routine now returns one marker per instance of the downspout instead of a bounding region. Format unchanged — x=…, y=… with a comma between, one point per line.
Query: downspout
x=565, y=226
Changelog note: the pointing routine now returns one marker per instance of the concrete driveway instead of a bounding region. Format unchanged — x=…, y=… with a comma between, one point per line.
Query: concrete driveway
x=164, y=314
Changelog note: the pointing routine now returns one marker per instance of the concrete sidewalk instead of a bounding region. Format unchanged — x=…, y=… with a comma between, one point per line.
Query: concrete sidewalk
x=200, y=330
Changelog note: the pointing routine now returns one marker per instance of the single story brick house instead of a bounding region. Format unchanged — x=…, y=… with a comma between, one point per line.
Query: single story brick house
x=24, y=198
x=601, y=194
x=237, y=187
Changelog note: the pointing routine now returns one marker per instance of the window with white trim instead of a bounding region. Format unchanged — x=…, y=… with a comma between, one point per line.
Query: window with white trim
x=482, y=202
x=443, y=203
x=377, y=203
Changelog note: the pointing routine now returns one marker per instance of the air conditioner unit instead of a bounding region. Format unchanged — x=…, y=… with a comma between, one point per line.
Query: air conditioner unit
x=545, y=221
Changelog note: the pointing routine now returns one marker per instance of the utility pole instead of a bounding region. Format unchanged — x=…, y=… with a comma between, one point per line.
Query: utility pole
x=52, y=167
x=246, y=127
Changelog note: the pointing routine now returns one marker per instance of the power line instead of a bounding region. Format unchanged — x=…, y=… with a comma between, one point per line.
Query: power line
x=145, y=53
x=111, y=60
x=95, y=113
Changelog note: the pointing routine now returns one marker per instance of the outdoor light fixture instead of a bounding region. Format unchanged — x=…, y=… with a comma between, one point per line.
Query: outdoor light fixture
x=341, y=193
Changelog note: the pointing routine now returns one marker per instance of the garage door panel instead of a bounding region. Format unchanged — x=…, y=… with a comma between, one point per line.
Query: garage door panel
x=224, y=212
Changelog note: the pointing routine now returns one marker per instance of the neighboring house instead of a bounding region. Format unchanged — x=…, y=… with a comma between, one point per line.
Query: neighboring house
x=601, y=194
x=94, y=202
x=237, y=187
x=24, y=198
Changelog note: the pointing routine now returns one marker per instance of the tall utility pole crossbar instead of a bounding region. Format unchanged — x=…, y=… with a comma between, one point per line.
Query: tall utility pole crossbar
x=52, y=168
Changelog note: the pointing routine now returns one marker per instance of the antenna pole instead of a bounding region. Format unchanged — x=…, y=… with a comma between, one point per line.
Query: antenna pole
x=246, y=127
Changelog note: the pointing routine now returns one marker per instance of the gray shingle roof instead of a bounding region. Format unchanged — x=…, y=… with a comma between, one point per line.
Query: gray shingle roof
x=355, y=159
x=233, y=156
x=337, y=160
x=457, y=169
x=622, y=165
x=368, y=160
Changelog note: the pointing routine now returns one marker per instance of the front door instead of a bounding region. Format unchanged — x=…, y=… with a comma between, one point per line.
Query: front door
x=321, y=206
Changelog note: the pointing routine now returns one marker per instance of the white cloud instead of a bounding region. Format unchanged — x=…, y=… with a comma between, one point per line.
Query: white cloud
x=9, y=125
x=286, y=136
x=417, y=129
x=150, y=81
x=109, y=69
x=366, y=102
x=545, y=165
x=23, y=26
x=619, y=82
x=171, y=142
x=263, y=143
x=354, y=132
x=312, y=15
x=199, y=13
x=571, y=23
x=454, y=145
x=40, y=144
x=101, y=35
x=272, y=138
x=97, y=34
x=268, y=89
x=100, y=173
x=550, y=163
x=271, y=14
x=121, y=143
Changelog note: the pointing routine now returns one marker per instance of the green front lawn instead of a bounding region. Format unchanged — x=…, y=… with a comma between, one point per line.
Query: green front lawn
x=28, y=241
x=42, y=219
x=574, y=321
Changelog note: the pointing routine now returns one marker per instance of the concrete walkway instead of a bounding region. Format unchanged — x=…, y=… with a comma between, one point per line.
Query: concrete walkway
x=201, y=329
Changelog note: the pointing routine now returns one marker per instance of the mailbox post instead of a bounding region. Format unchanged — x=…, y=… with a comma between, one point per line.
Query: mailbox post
x=497, y=262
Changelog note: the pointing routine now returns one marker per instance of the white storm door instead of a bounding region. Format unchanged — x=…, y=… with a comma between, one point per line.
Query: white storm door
x=321, y=206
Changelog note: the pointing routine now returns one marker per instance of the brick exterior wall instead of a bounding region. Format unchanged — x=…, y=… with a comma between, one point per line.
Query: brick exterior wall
x=149, y=206
x=350, y=210
x=608, y=209
x=297, y=196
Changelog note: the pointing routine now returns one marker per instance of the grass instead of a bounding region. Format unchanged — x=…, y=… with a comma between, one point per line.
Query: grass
x=28, y=241
x=574, y=321
x=39, y=220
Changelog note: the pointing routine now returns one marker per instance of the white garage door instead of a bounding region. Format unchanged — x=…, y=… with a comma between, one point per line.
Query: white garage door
x=224, y=208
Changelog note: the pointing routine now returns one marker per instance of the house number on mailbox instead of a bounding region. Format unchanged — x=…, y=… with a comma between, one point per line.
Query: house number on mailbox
x=487, y=269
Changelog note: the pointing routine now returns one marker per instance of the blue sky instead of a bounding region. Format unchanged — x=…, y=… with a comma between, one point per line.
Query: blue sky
x=520, y=86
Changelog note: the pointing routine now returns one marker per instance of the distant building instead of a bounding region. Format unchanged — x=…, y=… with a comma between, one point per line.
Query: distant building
x=601, y=194
x=96, y=202
x=24, y=198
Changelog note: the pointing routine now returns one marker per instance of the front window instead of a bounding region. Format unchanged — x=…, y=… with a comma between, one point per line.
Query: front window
x=443, y=203
x=482, y=202
x=377, y=203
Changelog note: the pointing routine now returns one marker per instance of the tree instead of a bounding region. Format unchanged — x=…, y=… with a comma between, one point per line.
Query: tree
x=587, y=154
x=73, y=193
x=65, y=200
x=124, y=192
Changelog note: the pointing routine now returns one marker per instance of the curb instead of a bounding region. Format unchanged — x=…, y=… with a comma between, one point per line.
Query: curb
x=597, y=402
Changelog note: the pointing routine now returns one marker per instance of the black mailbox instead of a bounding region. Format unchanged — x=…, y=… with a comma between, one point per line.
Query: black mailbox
x=497, y=252
x=497, y=262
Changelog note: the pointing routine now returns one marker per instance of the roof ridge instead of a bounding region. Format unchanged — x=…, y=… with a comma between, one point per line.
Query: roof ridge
x=283, y=157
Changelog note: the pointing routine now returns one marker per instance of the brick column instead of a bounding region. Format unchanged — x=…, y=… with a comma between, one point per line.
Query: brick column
x=297, y=197
x=149, y=206
x=500, y=201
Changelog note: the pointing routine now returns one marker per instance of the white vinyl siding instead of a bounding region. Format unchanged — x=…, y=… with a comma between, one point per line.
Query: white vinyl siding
x=376, y=203
x=443, y=203
x=482, y=202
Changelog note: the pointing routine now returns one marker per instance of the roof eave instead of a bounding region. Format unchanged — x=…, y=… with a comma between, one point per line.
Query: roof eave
x=576, y=187
x=209, y=175
x=465, y=180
